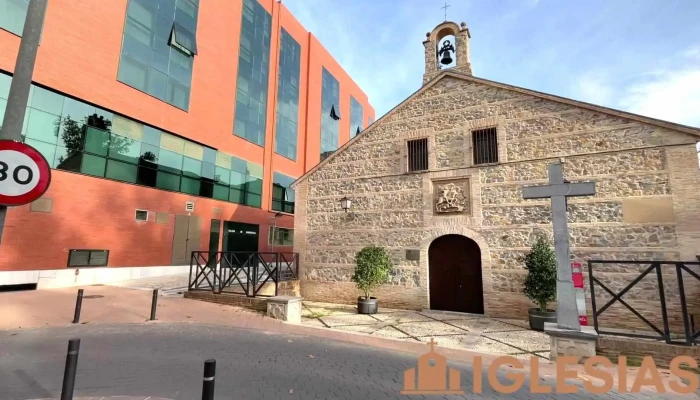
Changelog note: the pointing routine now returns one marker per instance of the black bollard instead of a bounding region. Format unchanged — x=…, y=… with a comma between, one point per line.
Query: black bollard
x=208, y=386
x=154, y=304
x=70, y=370
x=78, y=305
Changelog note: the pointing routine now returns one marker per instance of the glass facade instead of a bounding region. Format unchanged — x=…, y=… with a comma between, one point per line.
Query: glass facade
x=330, y=107
x=288, y=97
x=356, y=117
x=77, y=137
x=12, y=15
x=159, y=47
x=282, y=194
x=281, y=236
x=253, y=68
x=371, y=121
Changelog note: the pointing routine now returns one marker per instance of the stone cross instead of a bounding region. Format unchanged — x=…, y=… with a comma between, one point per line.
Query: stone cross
x=558, y=190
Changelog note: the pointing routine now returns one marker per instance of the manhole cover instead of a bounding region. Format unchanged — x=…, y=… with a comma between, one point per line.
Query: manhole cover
x=93, y=296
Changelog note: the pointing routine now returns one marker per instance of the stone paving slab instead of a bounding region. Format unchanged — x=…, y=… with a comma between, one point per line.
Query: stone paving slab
x=455, y=330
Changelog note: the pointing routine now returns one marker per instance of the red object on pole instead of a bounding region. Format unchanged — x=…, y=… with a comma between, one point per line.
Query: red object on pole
x=25, y=175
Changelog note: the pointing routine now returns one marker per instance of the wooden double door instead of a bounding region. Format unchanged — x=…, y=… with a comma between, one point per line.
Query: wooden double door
x=455, y=275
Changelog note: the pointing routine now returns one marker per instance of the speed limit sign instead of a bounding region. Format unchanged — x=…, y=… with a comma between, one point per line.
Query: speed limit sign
x=24, y=173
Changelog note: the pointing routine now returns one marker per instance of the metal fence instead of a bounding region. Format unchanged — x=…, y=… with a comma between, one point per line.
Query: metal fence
x=656, y=270
x=241, y=272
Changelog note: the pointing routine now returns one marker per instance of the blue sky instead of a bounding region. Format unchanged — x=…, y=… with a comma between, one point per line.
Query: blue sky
x=640, y=56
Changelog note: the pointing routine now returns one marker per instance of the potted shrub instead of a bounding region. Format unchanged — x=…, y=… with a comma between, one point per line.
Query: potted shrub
x=372, y=269
x=541, y=283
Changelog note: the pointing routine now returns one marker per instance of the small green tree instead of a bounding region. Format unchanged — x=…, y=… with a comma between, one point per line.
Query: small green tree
x=372, y=269
x=541, y=281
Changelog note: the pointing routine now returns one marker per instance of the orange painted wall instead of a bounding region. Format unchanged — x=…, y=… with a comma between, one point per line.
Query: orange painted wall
x=79, y=56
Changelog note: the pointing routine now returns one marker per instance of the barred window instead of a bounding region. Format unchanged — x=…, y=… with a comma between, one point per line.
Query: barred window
x=485, y=143
x=418, y=155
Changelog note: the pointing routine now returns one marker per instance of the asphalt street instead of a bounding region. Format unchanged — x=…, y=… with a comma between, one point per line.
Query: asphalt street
x=167, y=361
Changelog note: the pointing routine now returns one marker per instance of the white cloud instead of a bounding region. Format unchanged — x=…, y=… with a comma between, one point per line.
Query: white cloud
x=670, y=93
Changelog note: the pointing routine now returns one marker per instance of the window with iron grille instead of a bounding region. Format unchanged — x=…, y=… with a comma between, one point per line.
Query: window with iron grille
x=418, y=155
x=88, y=258
x=485, y=143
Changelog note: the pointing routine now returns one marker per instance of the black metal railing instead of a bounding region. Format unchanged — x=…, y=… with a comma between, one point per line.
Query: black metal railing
x=241, y=272
x=682, y=269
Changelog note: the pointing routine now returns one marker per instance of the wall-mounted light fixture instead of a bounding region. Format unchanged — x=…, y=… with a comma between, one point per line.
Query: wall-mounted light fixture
x=345, y=203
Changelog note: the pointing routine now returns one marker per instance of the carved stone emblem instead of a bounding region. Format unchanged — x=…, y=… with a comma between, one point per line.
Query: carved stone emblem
x=451, y=197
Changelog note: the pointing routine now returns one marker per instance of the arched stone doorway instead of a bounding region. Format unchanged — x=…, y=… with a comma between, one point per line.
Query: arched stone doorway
x=454, y=274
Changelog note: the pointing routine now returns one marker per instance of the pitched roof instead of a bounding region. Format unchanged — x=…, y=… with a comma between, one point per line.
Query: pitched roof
x=592, y=107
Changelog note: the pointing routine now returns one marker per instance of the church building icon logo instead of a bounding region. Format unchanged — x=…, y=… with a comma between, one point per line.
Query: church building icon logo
x=431, y=376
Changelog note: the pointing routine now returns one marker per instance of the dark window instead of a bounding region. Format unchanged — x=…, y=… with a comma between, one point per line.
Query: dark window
x=485, y=143
x=288, y=97
x=282, y=194
x=253, y=69
x=418, y=155
x=330, y=128
x=356, y=117
x=88, y=258
x=158, y=49
x=141, y=215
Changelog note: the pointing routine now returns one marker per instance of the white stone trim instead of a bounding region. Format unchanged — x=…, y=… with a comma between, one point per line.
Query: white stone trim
x=58, y=278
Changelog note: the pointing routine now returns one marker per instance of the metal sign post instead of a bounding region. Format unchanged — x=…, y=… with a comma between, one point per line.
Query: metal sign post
x=21, y=84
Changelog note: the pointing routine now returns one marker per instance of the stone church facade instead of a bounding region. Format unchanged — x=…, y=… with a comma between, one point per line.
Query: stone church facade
x=647, y=205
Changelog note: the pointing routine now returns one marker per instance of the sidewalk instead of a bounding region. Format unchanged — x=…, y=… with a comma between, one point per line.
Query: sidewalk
x=109, y=305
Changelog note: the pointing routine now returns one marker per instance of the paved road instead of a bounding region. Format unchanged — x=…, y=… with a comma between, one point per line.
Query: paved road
x=166, y=361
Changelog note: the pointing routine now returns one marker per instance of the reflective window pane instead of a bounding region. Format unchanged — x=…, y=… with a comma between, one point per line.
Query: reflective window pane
x=253, y=69
x=170, y=161
x=12, y=15
x=190, y=186
x=77, y=110
x=45, y=100
x=221, y=192
x=288, y=97
x=148, y=61
x=192, y=167
x=46, y=149
x=151, y=135
x=97, y=141
x=121, y=171
x=42, y=126
x=158, y=84
x=282, y=193
x=253, y=200
x=124, y=148
x=330, y=101
x=5, y=82
x=168, y=181
x=133, y=73
x=93, y=165
x=356, y=117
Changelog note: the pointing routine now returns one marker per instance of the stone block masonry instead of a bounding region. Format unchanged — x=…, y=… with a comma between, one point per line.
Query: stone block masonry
x=627, y=159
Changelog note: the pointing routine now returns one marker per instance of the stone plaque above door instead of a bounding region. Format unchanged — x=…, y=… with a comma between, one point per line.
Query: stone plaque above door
x=451, y=196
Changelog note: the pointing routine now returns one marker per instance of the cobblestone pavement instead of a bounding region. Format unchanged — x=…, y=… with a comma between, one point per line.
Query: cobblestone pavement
x=166, y=361
x=467, y=331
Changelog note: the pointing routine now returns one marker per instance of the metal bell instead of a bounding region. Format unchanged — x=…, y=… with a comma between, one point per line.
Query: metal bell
x=446, y=59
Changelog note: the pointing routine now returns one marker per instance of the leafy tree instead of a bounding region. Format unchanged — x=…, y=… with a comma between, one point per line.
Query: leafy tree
x=541, y=281
x=73, y=135
x=372, y=269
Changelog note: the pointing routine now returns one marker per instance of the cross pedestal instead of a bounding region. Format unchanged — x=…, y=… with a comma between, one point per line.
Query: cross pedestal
x=567, y=336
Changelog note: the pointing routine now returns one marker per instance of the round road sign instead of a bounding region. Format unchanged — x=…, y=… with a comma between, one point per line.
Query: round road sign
x=24, y=173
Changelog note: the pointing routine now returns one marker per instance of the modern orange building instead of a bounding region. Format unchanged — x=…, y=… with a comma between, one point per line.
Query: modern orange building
x=171, y=126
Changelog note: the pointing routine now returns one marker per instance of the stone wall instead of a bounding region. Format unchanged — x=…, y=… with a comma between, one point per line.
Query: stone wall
x=628, y=160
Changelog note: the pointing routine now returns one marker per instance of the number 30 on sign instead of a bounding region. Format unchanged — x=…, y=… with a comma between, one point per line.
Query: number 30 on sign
x=25, y=174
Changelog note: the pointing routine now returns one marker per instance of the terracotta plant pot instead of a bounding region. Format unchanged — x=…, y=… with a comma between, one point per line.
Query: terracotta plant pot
x=538, y=318
x=367, y=306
